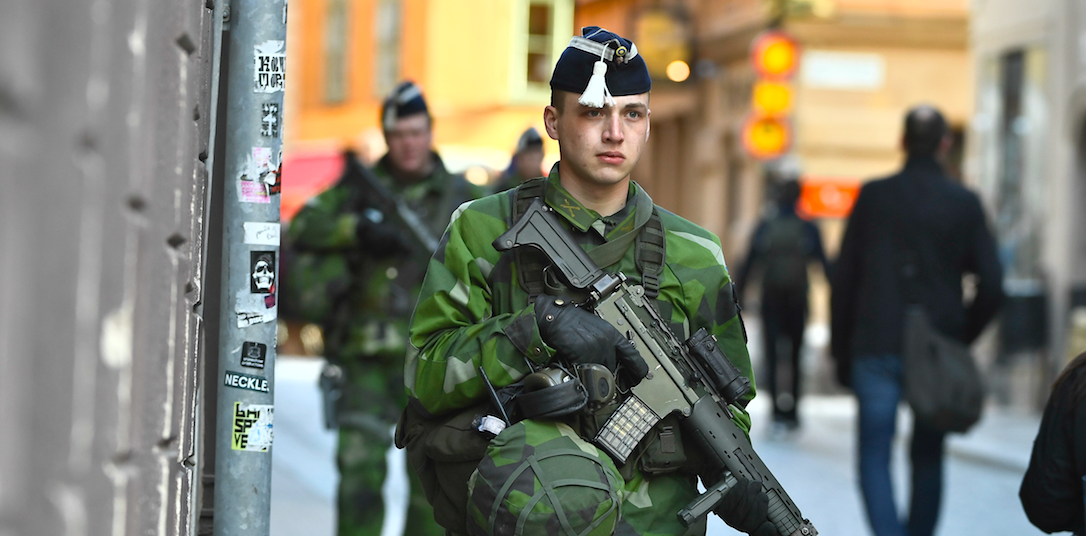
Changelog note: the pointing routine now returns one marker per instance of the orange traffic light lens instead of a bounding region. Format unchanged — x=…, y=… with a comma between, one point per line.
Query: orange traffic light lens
x=772, y=98
x=766, y=137
x=775, y=54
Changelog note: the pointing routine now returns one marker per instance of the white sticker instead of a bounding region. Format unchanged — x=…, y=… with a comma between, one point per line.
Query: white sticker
x=269, y=67
x=252, y=427
x=254, y=308
x=261, y=233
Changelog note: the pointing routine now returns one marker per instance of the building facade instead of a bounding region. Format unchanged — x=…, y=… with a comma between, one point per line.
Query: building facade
x=1028, y=155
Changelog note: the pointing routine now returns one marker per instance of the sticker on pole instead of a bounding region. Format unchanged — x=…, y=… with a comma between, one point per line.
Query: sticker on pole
x=252, y=427
x=261, y=233
x=260, y=178
x=245, y=381
x=269, y=67
x=269, y=120
x=253, y=354
x=256, y=304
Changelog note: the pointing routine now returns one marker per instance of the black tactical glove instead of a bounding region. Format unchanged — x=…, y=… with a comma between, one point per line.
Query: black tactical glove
x=745, y=507
x=582, y=337
x=379, y=237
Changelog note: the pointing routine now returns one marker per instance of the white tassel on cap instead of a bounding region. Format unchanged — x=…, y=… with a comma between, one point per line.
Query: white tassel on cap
x=597, y=94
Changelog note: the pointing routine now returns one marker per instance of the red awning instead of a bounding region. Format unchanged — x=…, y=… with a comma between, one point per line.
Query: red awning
x=306, y=175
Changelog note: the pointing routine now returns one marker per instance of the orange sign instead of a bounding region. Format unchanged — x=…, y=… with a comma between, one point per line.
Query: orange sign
x=825, y=197
x=766, y=137
x=774, y=55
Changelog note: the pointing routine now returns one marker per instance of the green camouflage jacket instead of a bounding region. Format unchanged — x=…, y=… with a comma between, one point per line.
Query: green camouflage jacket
x=371, y=319
x=472, y=310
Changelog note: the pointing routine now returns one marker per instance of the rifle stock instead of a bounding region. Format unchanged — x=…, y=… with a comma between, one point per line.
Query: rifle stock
x=694, y=379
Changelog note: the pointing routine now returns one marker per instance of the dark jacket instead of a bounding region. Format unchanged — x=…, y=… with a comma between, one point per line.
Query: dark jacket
x=1051, y=490
x=915, y=218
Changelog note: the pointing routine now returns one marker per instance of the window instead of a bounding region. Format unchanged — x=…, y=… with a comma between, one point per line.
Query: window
x=387, y=58
x=541, y=30
x=1010, y=126
x=335, y=52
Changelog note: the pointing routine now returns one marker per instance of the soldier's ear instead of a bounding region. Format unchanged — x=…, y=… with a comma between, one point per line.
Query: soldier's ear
x=550, y=121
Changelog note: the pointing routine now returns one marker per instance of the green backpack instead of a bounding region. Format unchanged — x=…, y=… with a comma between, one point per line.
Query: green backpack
x=784, y=255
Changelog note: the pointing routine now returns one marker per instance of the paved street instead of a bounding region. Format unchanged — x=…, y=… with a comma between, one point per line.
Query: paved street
x=815, y=465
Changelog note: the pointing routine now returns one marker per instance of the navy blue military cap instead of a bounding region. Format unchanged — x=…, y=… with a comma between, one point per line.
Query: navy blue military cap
x=406, y=100
x=599, y=64
x=530, y=139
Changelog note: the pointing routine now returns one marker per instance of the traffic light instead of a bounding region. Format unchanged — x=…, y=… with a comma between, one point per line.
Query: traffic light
x=767, y=132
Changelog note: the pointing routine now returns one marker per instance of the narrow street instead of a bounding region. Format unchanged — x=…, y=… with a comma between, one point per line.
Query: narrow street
x=815, y=464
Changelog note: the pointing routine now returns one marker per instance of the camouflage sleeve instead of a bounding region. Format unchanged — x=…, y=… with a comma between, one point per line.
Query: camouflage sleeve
x=453, y=330
x=323, y=223
x=708, y=297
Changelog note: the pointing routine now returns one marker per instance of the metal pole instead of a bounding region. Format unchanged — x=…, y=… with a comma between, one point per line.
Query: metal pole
x=245, y=412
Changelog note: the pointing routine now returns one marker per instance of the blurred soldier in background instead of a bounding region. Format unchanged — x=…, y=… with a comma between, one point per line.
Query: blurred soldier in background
x=527, y=161
x=781, y=248
x=358, y=269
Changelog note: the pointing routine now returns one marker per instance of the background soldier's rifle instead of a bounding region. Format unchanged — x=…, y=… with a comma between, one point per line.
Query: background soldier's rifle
x=694, y=379
x=381, y=203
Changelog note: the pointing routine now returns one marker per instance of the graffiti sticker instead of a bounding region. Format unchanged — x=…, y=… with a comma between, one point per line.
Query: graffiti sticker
x=260, y=177
x=269, y=67
x=252, y=427
x=269, y=120
x=253, y=354
x=262, y=270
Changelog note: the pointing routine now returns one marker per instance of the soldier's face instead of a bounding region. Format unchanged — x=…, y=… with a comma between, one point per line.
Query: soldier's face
x=409, y=143
x=529, y=163
x=599, y=146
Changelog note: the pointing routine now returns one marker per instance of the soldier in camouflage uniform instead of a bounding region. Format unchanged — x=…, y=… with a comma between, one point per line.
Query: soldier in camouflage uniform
x=473, y=312
x=366, y=334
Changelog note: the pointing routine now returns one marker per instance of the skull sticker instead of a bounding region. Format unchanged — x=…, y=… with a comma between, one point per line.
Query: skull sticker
x=262, y=269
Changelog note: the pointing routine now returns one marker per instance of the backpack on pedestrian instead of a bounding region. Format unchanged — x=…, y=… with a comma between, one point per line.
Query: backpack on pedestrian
x=784, y=255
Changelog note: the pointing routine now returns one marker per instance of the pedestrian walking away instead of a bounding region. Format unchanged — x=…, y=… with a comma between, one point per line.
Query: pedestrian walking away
x=360, y=251
x=910, y=239
x=488, y=323
x=782, y=247
x=1052, y=488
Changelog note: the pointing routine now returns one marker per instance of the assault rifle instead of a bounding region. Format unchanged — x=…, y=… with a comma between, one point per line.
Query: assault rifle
x=693, y=378
x=385, y=203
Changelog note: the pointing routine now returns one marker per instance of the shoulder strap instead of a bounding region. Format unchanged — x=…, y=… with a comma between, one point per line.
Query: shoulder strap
x=650, y=253
x=529, y=262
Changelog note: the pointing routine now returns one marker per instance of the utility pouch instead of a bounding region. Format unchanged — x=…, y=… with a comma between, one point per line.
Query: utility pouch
x=663, y=448
x=443, y=451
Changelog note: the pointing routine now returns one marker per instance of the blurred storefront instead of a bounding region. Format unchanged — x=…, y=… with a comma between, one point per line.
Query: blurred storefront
x=1028, y=154
x=484, y=66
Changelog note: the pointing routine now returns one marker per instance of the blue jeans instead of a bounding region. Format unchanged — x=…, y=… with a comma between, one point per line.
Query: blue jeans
x=876, y=380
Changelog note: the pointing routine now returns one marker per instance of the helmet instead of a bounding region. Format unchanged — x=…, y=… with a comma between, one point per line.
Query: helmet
x=540, y=477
